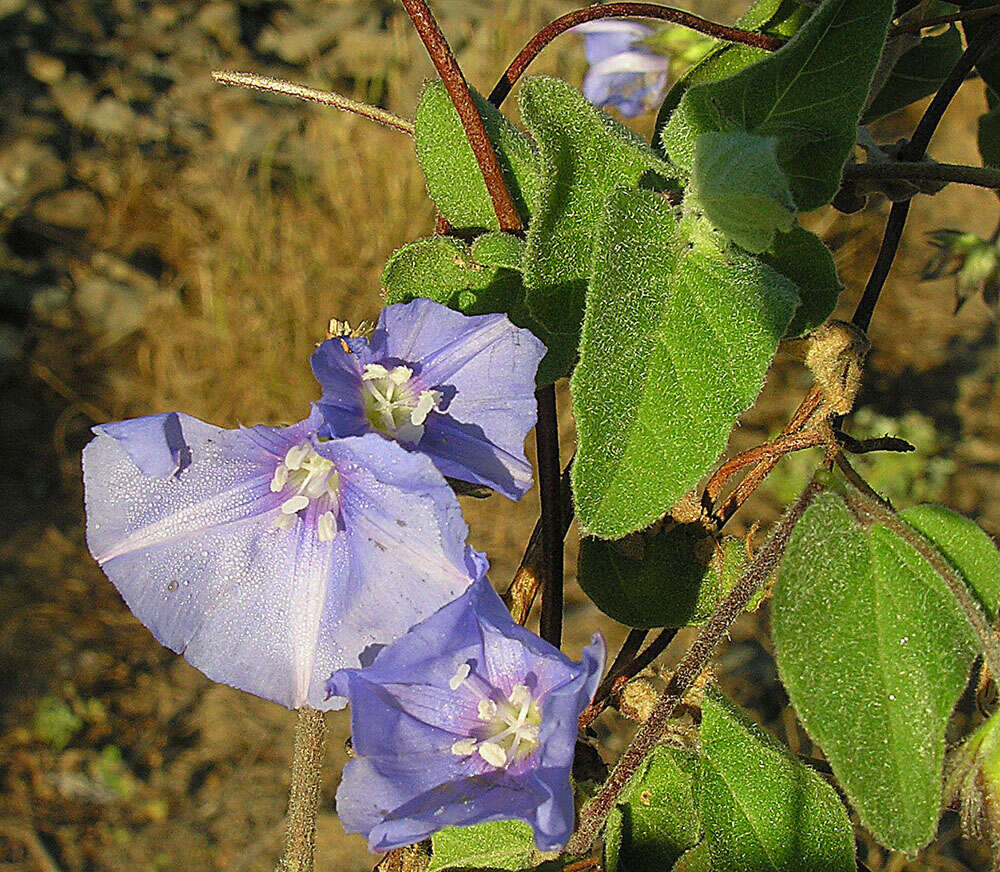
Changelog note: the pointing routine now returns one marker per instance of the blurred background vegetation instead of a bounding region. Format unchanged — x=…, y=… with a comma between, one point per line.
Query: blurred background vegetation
x=166, y=243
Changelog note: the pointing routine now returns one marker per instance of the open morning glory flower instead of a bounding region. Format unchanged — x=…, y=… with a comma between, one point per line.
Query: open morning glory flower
x=267, y=556
x=622, y=73
x=466, y=719
x=455, y=387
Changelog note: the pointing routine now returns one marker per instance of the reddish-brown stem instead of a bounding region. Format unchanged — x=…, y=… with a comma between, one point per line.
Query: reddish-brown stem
x=595, y=812
x=458, y=90
x=623, y=10
x=621, y=674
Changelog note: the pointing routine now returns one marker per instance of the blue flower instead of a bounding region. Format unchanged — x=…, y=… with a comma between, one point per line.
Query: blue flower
x=457, y=388
x=623, y=74
x=466, y=719
x=267, y=556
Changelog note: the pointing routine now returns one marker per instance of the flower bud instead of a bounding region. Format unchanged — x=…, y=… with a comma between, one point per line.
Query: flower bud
x=973, y=782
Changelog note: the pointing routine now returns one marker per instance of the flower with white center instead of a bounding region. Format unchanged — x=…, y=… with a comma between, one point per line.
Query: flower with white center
x=623, y=73
x=466, y=719
x=267, y=556
x=455, y=387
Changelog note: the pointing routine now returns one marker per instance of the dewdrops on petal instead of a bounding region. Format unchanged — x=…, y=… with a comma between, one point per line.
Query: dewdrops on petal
x=468, y=718
x=458, y=388
x=270, y=556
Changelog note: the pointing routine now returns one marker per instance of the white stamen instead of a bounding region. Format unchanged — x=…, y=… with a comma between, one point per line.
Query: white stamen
x=293, y=505
x=492, y=754
x=487, y=709
x=458, y=679
x=520, y=696
x=280, y=478
x=295, y=455
x=426, y=403
x=400, y=375
x=326, y=526
x=464, y=747
x=374, y=370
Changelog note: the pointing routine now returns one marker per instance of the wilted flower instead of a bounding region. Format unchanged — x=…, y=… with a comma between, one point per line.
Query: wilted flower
x=267, y=556
x=457, y=388
x=466, y=719
x=973, y=261
x=623, y=73
x=973, y=782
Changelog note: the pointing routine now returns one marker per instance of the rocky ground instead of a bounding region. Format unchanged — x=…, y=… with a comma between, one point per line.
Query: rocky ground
x=167, y=243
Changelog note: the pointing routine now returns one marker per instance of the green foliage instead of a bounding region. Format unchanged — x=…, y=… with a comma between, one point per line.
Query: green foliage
x=55, y=722
x=665, y=369
x=655, y=820
x=454, y=181
x=802, y=258
x=585, y=154
x=696, y=859
x=777, y=17
x=762, y=809
x=874, y=652
x=502, y=845
x=967, y=548
x=474, y=279
x=113, y=773
x=736, y=181
x=674, y=577
x=809, y=94
x=989, y=65
x=919, y=72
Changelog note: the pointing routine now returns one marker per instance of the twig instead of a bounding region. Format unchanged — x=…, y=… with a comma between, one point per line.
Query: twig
x=458, y=90
x=914, y=151
x=595, y=812
x=866, y=446
x=26, y=835
x=523, y=588
x=622, y=10
x=326, y=98
x=616, y=680
x=964, y=15
x=304, y=792
x=983, y=177
x=547, y=444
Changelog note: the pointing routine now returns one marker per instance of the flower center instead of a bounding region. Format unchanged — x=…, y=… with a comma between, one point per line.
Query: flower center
x=303, y=478
x=392, y=403
x=510, y=725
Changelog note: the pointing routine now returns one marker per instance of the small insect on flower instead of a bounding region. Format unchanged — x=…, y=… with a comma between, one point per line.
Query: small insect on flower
x=457, y=388
x=269, y=556
x=468, y=718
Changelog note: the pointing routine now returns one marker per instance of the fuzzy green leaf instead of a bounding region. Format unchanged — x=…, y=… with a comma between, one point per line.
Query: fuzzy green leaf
x=666, y=368
x=454, y=181
x=777, y=17
x=655, y=820
x=736, y=180
x=585, y=154
x=674, y=577
x=502, y=845
x=874, y=652
x=697, y=859
x=919, y=72
x=801, y=257
x=966, y=546
x=809, y=94
x=763, y=810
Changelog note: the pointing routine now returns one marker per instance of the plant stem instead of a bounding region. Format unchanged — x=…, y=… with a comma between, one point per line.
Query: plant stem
x=869, y=511
x=622, y=10
x=964, y=15
x=523, y=588
x=983, y=177
x=547, y=444
x=458, y=90
x=914, y=151
x=596, y=811
x=326, y=98
x=304, y=792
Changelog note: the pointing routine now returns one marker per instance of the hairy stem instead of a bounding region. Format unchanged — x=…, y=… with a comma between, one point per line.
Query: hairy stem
x=547, y=444
x=596, y=811
x=326, y=98
x=304, y=792
x=983, y=177
x=622, y=10
x=458, y=90
x=914, y=151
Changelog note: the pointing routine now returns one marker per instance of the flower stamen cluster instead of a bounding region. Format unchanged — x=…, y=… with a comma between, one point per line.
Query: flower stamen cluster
x=306, y=478
x=393, y=403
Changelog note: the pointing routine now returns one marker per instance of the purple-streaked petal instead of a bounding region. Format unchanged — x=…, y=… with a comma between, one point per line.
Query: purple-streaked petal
x=338, y=370
x=156, y=444
x=609, y=36
x=632, y=82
